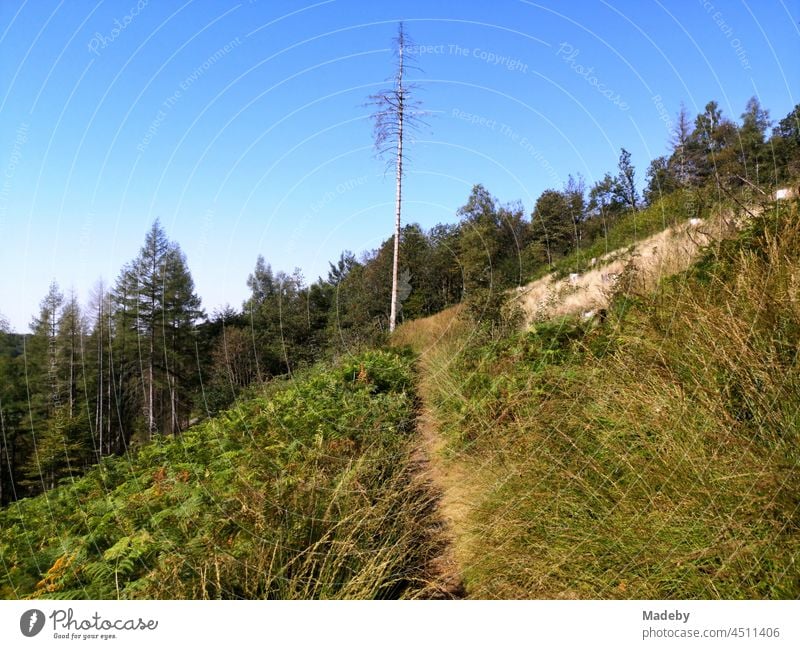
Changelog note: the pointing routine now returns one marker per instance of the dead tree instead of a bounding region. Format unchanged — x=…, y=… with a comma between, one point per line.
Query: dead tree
x=397, y=113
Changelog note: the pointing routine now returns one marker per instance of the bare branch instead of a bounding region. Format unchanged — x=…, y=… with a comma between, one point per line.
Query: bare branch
x=397, y=114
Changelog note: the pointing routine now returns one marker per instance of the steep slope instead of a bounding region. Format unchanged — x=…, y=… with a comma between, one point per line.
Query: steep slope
x=650, y=260
x=654, y=455
x=304, y=490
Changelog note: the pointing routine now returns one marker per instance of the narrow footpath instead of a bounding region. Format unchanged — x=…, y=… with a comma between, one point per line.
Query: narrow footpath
x=446, y=477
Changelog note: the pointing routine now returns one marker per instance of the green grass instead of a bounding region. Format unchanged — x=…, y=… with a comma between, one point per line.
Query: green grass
x=305, y=491
x=656, y=455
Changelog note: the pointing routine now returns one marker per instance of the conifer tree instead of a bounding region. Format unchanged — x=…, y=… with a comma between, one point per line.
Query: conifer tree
x=397, y=113
x=69, y=342
x=681, y=141
x=157, y=310
x=13, y=406
x=41, y=354
x=99, y=356
x=180, y=312
x=53, y=359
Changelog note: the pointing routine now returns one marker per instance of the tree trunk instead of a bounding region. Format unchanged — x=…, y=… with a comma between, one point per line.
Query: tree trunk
x=72, y=387
x=152, y=326
x=398, y=200
x=173, y=407
x=100, y=395
x=151, y=390
x=108, y=416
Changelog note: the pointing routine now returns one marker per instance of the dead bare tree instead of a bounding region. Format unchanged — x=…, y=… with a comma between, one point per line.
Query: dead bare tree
x=397, y=113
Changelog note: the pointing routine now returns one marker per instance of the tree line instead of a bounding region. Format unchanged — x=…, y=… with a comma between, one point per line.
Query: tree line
x=142, y=359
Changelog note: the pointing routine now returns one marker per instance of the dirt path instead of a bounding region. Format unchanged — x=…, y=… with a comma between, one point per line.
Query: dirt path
x=445, y=569
x=447, y=478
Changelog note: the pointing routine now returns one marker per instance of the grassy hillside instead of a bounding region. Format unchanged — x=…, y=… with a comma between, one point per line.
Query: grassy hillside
x=654, y=455
x=651, y=455
x=303, y=491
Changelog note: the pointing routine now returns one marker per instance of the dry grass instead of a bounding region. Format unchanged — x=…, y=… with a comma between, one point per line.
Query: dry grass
x=440, y=340
x=654, y=456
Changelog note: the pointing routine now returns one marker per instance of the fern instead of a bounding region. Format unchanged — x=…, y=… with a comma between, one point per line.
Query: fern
x=287, y=494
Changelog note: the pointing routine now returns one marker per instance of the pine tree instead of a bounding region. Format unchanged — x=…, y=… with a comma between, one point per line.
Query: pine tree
x=680, y=141
x=181, y=311
x=126, y=375
x=151, y=270
x=13, y=406
x=99, y=355
x=42, y=355
x=69, y=342
x=59, y=432
x=60, y=449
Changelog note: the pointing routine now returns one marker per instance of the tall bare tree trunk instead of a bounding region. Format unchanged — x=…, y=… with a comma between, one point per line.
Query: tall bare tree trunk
x=72, y=387
x=396, y=114
x=151, y=421
x=100, y=369
x=398, y=200
x=173, y=398
x=150, y=405
x=399, y=166
x=108, y=416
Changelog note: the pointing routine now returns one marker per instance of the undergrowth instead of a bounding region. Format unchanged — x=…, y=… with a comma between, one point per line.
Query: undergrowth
x=305, y=491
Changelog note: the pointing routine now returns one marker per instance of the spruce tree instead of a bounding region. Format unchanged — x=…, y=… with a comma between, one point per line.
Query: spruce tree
x=156, y=311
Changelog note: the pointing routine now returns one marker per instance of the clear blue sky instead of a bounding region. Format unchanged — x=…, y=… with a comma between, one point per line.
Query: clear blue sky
x=241, y=125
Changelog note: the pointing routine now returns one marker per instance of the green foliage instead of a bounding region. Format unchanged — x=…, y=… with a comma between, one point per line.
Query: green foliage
x=74, y=391
x=380, y=371
x=552, y=223
x=493, y=246
x=156, y=311
x=60, y=449
x=785, y=144
x=303, y=491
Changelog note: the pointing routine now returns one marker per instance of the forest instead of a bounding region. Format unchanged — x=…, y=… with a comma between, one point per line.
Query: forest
x=143, y=359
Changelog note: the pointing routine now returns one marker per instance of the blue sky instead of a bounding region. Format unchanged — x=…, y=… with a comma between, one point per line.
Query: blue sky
x=242, y=125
